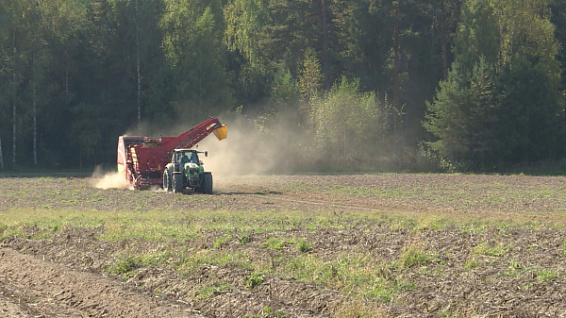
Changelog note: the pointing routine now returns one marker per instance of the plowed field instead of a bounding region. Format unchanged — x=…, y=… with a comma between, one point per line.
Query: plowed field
x=390, y=245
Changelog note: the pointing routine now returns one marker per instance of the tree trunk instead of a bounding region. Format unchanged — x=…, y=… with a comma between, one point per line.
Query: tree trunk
x=14, y=87
x=1, y=157
x=500, y=44
x=396, y=73
x=34, y=103
x=67, y=72
x=325, y=61
x=138, y=72
x=443, y=42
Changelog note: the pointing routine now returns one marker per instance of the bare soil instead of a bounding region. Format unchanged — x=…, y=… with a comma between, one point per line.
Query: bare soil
x=66, y=276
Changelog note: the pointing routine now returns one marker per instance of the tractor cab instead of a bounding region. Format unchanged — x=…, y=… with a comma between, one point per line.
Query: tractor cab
x=189, y=156
x=182, y=157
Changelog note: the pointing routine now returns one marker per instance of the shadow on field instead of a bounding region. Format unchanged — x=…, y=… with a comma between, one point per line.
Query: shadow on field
x=221, y=192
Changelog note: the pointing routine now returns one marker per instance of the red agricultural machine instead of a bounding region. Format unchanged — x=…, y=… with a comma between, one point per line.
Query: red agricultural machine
x=147, y=161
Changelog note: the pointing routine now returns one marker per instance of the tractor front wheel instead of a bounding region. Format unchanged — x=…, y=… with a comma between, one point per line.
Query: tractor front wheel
x=178, y=183
x=167, y=182
x=206, y=185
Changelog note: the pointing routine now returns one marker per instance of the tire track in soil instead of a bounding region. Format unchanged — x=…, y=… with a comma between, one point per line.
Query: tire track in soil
x=320, y=202
x=289, y=200
x=9, y=308
x=30, y=287
x=28, y=294
x=294, y=298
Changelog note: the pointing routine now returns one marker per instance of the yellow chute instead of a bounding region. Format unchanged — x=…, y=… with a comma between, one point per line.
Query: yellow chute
x=221, y=132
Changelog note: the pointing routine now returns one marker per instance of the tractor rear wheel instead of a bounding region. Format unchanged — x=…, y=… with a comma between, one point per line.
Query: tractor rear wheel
x=178, y=183
x=167, y=182
x=206, y=186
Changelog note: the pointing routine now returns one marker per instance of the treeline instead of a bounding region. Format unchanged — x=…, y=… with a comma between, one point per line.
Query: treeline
x=405, y=84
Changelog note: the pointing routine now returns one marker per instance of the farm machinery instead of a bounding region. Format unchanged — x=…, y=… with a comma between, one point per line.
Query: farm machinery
x=168, y=161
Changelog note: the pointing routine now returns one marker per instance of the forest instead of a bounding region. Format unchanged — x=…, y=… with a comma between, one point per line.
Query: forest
x=461, y=85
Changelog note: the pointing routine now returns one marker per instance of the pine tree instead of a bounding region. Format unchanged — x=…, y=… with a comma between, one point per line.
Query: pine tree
x=462, y=117
x=310, y=77
x=510, y=120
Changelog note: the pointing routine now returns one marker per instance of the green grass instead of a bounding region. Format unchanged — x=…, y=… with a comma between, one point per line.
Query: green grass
x=548, y=275
x=221, y=241
x=124, y=266
x=438, y=234
x=487, y=249
x=472, y=263
x=303, y=245
x=185, y=263
x=456, y=195
x=253, y=280
x=208, y=290
x=244, y=238
x=414, y=255
x=283, y=244
x=274, y=243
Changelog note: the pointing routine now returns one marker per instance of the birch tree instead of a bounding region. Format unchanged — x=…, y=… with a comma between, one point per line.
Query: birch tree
x=1, y=156
x=14, y=63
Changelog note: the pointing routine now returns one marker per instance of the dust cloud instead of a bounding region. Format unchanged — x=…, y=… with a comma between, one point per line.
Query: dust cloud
x=246, y=151
x=109, y=180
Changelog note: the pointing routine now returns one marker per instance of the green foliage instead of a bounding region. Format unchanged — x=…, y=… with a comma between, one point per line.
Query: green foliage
x=345, y=121
x=254, y=279
x=221, y=241
x=503, y=108
x=274, y=243
x=515, y=265
x=530, y=126
x=303, y=245
x=486, y=249
x=194, y=48
x=282, y=106
x=547, y=275
x=462, y=117
x=310, y=77
x=246, y=23
x=527, y=33
x=472, y=263
x=245, y=238
x=415, y=256
x=75, y=74
x=208, y=291
x=284, y=91
x=268, y=312
x=477, y=35
x=123, y=265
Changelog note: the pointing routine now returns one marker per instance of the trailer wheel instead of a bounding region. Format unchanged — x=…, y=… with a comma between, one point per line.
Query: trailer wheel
x=178, y=183
x=206, y=186
x=167, y=182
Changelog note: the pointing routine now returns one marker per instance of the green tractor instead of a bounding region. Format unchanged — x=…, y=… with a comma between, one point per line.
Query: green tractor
x=185, y=170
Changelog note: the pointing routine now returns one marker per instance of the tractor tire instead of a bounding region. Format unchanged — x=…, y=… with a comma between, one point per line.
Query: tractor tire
x=167, y=181
x=178, y=183
x=206, y=186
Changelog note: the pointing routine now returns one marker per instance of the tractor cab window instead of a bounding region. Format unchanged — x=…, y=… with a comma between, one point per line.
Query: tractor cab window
x=184, y=158
x=176, y=157
x=193, y=157
x=188, y=157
